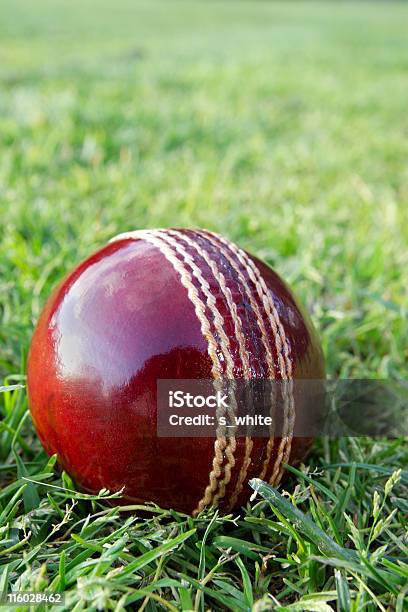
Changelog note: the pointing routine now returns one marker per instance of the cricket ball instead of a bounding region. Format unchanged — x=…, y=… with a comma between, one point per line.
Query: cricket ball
x=164, y=304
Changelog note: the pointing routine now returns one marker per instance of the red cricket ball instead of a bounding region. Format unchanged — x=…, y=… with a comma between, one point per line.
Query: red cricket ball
x=163, y=304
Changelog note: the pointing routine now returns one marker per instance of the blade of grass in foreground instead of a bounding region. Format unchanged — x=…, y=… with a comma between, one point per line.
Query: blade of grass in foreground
x=344, y=557
x=324, y=542
x=11, y=388
x=151, y=555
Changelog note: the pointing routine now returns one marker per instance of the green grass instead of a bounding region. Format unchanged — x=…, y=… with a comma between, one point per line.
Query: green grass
x=283, y=126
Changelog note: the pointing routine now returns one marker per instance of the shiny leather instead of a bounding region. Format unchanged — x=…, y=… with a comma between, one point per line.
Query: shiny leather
x=117, y=323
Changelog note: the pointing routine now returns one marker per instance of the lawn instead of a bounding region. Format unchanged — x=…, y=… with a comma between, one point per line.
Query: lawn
x=283, y=126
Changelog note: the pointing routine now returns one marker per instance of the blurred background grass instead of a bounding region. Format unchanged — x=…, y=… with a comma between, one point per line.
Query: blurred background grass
x=282, y=125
